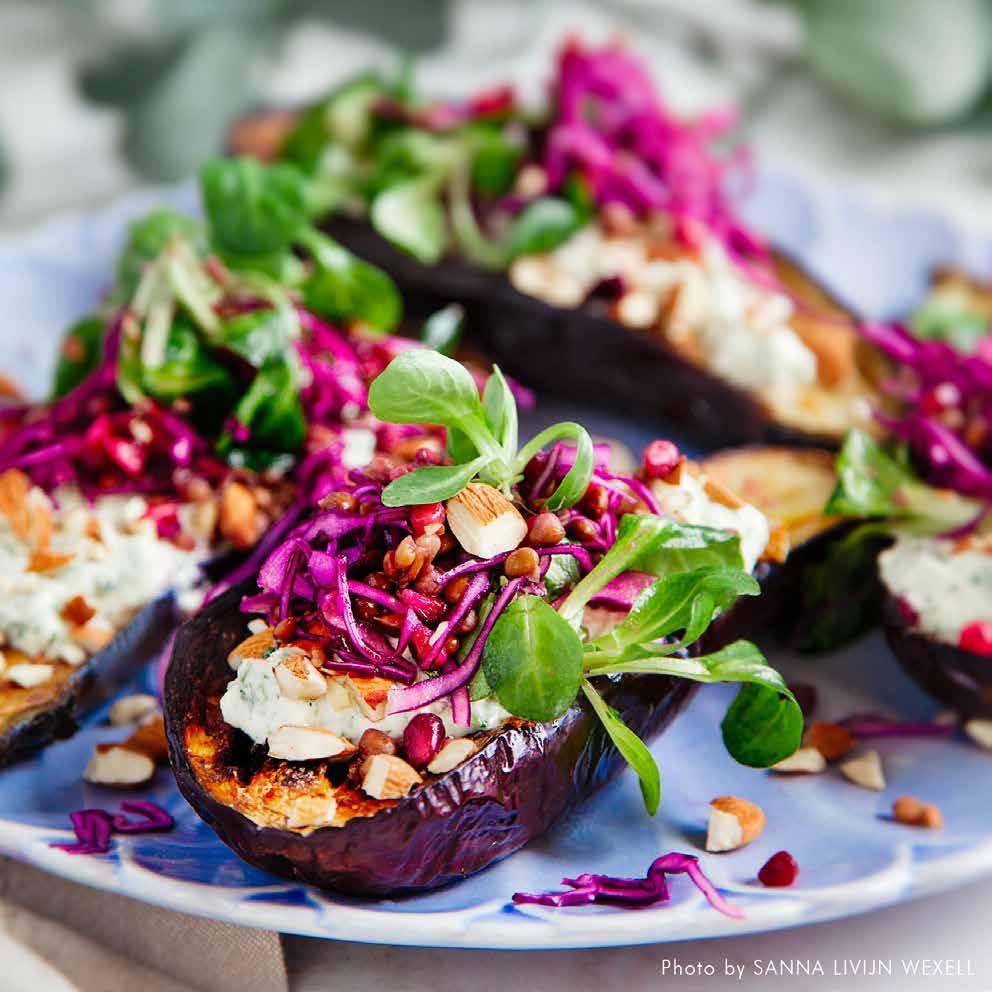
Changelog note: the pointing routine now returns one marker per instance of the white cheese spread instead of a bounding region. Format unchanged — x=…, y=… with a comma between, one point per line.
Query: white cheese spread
x=118, y=564
x=689, y=502
x=740, y=328
x=946, y=588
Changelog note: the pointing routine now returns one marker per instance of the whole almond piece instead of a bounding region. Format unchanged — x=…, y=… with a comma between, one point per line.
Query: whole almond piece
x=385, y=776
x=309, y=744
x=733, y=822
x=980, y=731
x=865, y=771
x=912, y=812
x=119, y=767
x=806, y=761
x=149, y=738
x=453, y=752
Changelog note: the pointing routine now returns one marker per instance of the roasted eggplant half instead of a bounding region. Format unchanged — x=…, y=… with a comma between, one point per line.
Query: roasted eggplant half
x=938, y=616
x=193, y=415
x=434, y=683
x=585, y=354
x=521, y=778
x=596, y=260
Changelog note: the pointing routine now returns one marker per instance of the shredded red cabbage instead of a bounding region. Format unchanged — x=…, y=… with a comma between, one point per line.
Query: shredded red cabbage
x=947, y=398
x=653, y=888
x=610, y=125
x=336, y=578
x=94, y=827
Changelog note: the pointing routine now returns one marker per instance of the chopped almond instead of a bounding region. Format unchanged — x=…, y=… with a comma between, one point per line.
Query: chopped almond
x=252, y=647
x=369, y=693
x=149, y=738
x=238, y=515
x=733, y=823
x=484, y=521
x=308, y=812
x=136, y=708
x=28, y=675
x=912, y=812
x=119, y=766
x=865, y=771
x=77, y=611
x=453, y=752
x=298, y=679
x=806, y=761
x=831, y=739
x=980, y=731
x=42, y=560
x=385, y=776
x=309, y=744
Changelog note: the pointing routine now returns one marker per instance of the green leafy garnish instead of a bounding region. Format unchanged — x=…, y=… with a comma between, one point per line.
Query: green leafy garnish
x=426, y=387
x=543, y=225
x=253, y=209
x=635, y=752
x=533, y=660
x=146, y=239
x=872, y=483
x=944, y=320
x=410, y=215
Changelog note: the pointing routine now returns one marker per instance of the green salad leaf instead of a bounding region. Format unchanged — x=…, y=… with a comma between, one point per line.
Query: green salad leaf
x=533, y=660
x=635, y=752
x=872, y=483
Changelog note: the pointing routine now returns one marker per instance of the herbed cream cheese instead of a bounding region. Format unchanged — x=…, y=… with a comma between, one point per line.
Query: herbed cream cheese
x=689, y=502
x=117, y=564
x=254, y=703
x=740, y=328
x=946, y=588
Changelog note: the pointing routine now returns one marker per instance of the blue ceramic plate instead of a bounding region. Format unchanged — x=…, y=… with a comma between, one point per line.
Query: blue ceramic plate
x=852, y=856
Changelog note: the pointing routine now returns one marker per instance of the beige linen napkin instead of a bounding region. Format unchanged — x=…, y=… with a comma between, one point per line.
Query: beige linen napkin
x=99, y=942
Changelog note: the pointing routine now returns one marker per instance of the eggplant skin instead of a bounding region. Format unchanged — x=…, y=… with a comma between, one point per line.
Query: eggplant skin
x=580, y=355
x=959, y=679
x=56, y=711
x=523, y=778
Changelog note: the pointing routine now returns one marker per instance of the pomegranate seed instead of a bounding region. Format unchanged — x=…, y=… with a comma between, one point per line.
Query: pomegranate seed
x=779, y=870
x=423, y=738
x=660, y=459
x=427, y=519
x=937, y=399
x=977, y=638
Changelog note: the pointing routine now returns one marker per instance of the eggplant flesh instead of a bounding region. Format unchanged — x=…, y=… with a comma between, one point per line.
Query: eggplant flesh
x=959, y=679
x=584, y=355
x=522, y=778
x=33, y=718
